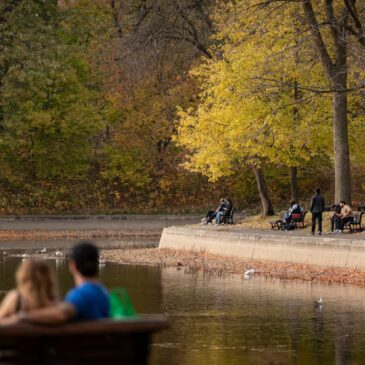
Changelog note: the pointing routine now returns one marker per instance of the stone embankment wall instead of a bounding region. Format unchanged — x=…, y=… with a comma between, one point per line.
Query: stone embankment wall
x=347, y=251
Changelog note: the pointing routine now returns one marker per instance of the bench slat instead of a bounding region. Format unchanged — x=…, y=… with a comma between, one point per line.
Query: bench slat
x=98, y=342
x=139, y=324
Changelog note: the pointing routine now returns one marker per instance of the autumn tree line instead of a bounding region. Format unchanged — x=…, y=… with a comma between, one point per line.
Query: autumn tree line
x=167, y=105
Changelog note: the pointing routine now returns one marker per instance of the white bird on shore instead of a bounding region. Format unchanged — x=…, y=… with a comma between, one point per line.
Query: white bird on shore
x=249, y=273
x=59, y=254
x=319, y=303
x=43, y=251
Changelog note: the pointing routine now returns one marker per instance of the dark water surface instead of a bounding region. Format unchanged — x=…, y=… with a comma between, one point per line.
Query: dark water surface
x=235, y=321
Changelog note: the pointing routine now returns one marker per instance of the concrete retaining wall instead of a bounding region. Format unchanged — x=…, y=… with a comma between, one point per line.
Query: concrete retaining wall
x=330, y=251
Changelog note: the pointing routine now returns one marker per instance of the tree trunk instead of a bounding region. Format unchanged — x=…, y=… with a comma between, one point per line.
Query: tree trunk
x=294, y=183
x=267, y=208
x=341, y=145
x=336, y=70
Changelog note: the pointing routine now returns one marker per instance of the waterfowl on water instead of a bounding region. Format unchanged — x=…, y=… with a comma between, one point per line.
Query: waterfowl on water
x=319, y=302
x=249, y=273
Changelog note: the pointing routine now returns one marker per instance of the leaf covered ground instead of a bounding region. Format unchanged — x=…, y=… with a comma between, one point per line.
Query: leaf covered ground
x=259, y=222
x=193, y=262
x=46, y=235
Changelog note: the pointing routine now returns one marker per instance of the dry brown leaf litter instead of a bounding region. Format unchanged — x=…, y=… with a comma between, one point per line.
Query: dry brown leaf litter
x=41, y=235
x=192, y=262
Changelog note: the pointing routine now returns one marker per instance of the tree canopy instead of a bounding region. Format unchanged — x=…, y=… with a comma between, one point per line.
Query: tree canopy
x=138, y=105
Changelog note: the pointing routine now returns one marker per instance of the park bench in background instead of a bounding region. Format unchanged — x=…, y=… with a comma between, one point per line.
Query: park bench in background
x=355, y=225
x=278, y=224
x=93, y=343
x=298, y=220
x=228, y=218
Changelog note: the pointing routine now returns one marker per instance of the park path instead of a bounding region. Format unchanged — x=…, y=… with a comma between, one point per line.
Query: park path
x=35, y=232
x=126, y=223
x=55, y=232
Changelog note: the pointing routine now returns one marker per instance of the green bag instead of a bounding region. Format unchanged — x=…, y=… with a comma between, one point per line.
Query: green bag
x=120, y=304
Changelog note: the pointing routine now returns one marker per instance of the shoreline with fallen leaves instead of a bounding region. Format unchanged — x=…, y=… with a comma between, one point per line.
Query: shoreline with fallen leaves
x=194, y=262
x=42, y=235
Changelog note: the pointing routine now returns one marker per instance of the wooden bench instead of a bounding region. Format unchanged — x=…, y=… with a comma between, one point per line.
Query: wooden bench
x=228, y=217
x=299, y=222
x=355, y=225
x=279, y=224
x=93, y=343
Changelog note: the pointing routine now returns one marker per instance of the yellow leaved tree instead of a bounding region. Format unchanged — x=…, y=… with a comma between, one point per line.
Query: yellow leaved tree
x=257, y=101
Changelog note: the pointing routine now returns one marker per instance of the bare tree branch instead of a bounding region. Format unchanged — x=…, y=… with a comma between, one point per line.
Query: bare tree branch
x=116, y=19
x=321, y=47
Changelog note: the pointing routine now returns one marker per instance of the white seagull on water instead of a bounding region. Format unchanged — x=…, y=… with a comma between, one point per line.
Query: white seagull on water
x=249, y=273
x=319, y=303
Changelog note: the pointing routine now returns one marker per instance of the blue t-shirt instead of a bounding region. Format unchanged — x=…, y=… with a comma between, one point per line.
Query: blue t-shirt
x=91, y=301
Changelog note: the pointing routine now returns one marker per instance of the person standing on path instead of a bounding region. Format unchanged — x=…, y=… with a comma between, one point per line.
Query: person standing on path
x=317, y=208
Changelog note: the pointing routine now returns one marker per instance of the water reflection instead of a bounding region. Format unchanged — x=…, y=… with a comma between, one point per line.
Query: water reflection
x=233, y=321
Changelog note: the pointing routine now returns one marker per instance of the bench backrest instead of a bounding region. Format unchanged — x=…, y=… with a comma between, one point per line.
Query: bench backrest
x=232, y=212
x=296, y=216
x=93, y=343
x=299, y=216
x=358, y=217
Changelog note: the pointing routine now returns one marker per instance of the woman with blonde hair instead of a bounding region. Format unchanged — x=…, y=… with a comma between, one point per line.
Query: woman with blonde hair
x=36, y=288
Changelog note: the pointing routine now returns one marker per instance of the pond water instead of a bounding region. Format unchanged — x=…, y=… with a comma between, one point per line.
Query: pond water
x=234, y=321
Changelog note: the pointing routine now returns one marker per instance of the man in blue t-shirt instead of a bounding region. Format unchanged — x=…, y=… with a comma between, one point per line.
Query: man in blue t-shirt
x=89, y=300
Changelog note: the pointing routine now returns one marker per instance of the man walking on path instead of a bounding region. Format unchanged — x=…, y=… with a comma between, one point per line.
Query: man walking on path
x=317, y=208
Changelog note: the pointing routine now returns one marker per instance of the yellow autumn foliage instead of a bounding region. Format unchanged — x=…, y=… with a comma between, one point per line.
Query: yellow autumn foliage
x=263, y=95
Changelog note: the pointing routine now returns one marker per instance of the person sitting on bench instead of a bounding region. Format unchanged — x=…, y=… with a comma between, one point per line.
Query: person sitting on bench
x=293, y=212
x=224, y=206
x=224, y=209
x=89, y=300
x=345, y=216
x=335, y=219
x=36, y=288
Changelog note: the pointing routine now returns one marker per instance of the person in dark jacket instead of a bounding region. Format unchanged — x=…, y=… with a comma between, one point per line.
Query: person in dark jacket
x=317, y=208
